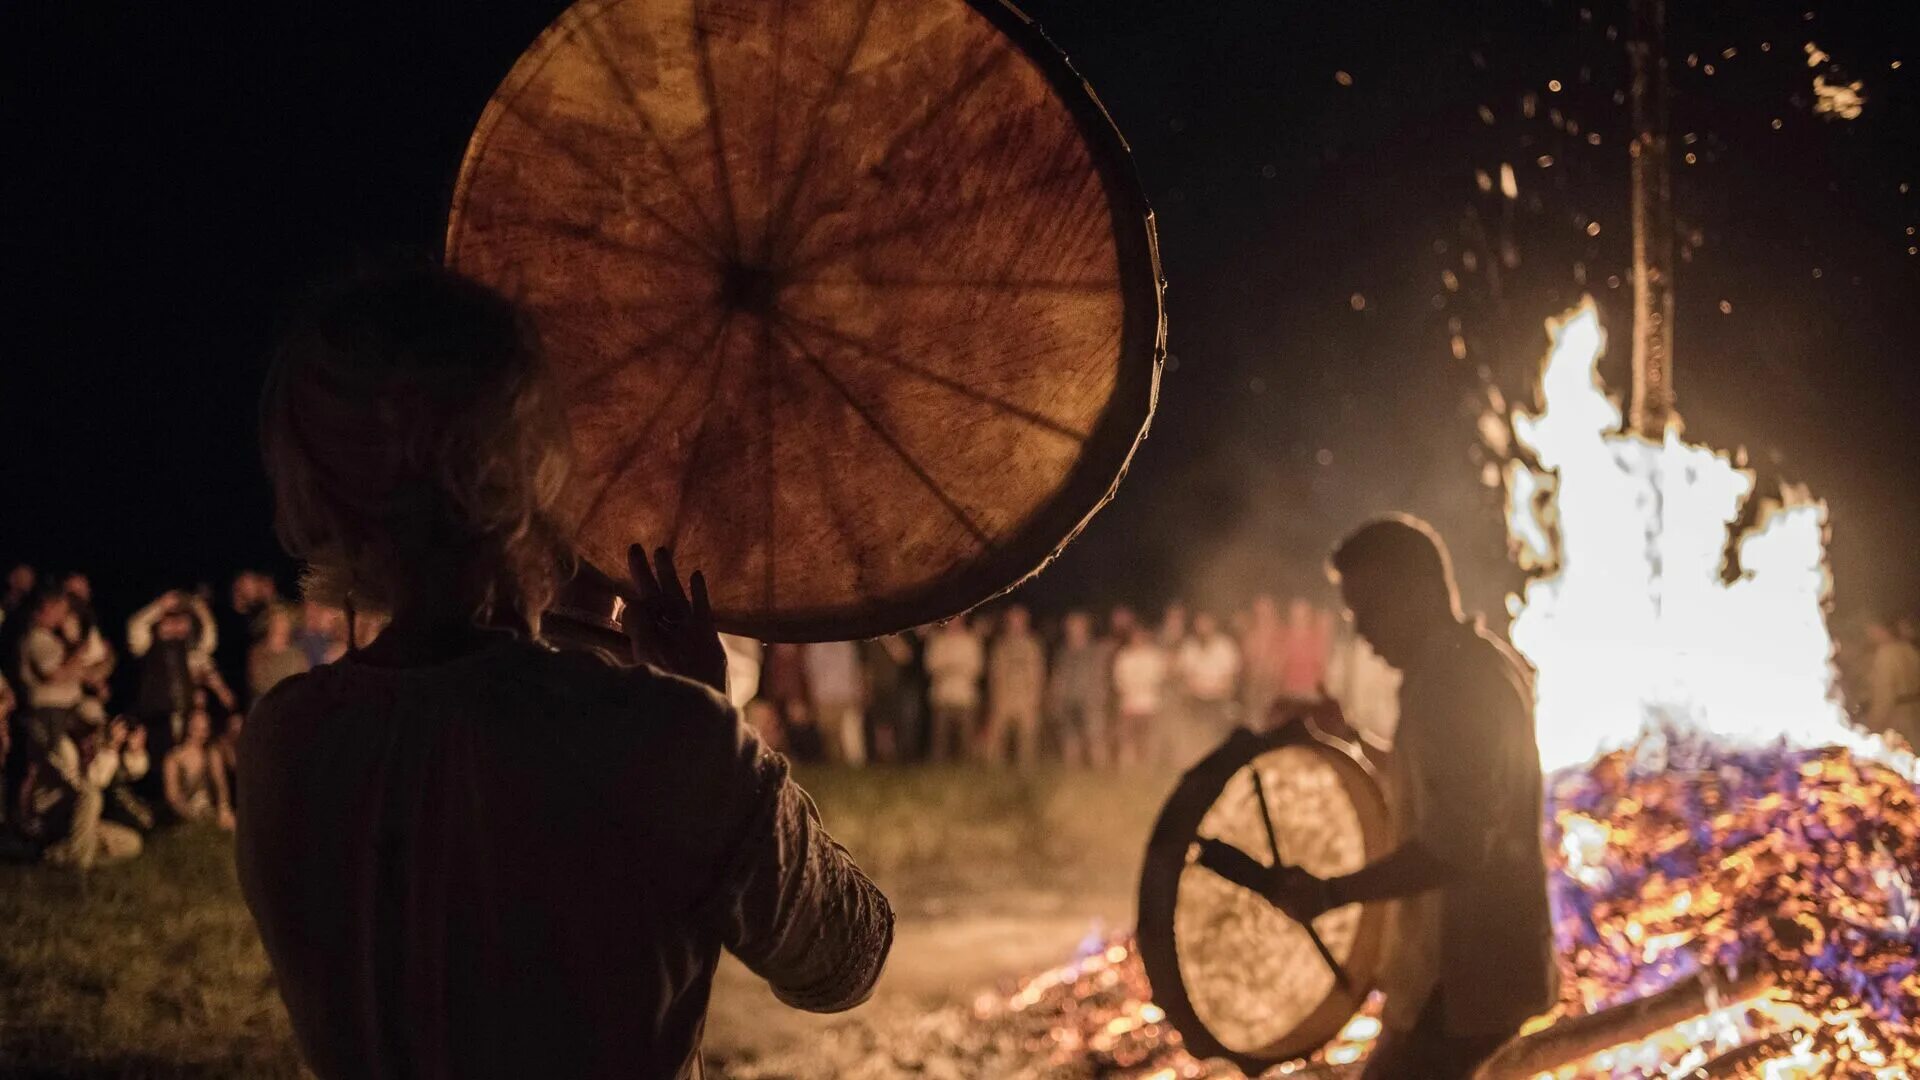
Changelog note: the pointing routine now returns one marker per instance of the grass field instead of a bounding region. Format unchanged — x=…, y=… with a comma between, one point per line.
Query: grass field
x=152, y=969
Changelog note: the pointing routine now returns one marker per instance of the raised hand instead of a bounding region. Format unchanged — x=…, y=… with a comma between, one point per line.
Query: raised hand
x=668, y=629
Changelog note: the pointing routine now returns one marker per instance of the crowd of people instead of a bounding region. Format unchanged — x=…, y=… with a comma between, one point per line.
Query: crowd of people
x=107, y=736
x=999, y=689
x=109, y=732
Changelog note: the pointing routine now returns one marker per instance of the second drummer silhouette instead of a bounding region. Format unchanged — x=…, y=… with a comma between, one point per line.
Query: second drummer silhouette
x=1470, y=957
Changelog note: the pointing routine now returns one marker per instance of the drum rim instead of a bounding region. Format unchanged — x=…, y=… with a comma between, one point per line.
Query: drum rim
x=1166, y=859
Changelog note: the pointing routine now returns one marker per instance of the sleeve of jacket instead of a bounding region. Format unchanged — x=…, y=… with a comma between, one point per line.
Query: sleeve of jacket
x=794, y=906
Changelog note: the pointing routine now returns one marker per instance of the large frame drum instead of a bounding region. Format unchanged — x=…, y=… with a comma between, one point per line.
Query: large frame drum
x=1238, y=978
x=855, y=303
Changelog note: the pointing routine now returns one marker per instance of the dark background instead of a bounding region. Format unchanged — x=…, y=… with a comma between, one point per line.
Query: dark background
x=174, y=175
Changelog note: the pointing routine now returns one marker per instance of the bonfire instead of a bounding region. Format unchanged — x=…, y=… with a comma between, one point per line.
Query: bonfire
x=1732, y=861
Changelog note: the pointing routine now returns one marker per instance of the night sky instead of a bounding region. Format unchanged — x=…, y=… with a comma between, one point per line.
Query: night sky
x=175, y=175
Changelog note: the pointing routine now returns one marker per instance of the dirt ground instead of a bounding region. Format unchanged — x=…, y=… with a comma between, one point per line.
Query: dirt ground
x=152, y=969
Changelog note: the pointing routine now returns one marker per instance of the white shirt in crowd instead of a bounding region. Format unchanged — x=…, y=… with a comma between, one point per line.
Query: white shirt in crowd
x=1367, y=688
x=43, y=652
x=1139, y=676
x=1208, y=667
x=954, y=663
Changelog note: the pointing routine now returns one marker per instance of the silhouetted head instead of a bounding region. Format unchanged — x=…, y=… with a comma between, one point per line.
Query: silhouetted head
x=416, y=449
x=1205, y=625
x=1173, y=622
x=20, y=580
x=1299, y=613
x=1078, y=628
x=50, y=609
x=1017, y=620
x=1397, y=580
x=199, y=727
x=176, y=621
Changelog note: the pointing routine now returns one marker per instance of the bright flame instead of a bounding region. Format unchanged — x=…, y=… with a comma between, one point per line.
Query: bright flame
x=1630, y=624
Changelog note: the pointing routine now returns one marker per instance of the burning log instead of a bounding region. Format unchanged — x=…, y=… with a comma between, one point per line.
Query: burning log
x=1577, y=1037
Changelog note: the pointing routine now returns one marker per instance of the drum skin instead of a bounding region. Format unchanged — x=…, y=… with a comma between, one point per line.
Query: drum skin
x=855, y=303
x=1265, y=977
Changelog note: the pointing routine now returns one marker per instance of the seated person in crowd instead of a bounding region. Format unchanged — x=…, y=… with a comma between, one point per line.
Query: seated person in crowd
x=70, y=790
x=196, y=782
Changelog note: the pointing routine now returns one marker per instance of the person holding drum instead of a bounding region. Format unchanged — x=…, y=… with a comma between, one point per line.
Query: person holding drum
x=471, y=854
x=1471, y=958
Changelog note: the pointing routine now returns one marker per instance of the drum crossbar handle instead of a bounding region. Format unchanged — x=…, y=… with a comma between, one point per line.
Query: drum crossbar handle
x=1247, y=872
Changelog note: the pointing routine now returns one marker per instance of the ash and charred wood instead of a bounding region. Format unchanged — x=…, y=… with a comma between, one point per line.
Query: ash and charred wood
x=1579, y=1037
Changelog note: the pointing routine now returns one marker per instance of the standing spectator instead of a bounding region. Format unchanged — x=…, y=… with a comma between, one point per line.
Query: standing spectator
x=1140, y=684
x=763, y=717
x=321, y=634
x=226, y=755
x=1077, y=692
x=52, y=673
x=1303, y=671
x=1893, y=683
x=174, y=639
x=274, y=657
x=1366, y=687
x=7, y=705
x=1016, y=685
x=803, y=741
x=955, y=660
x=196, y=785
x=81, y=633
x=1263, y=656
x=1209, y=669
x=1173, y=625
x=240, y=623
x=743, y=669
x=912, y=736
x=838, y=685
x=783, y=680
x=20, y=582
x=70, y=795
x=892, y=711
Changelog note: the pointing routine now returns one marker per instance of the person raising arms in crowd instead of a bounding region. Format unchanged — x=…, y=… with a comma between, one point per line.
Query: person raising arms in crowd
x=470, y=854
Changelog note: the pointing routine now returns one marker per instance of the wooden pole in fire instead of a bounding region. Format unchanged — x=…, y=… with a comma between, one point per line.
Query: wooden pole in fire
x=1652, y=209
